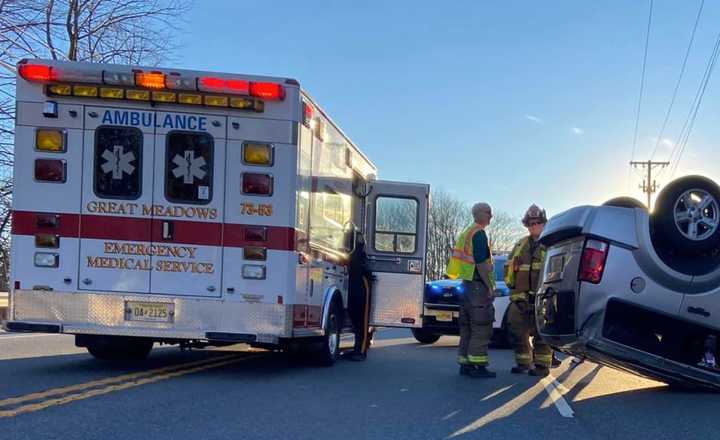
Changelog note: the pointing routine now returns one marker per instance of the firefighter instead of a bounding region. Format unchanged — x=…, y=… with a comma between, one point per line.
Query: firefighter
x=359, y=284
x=522, y=274
x=471, y=262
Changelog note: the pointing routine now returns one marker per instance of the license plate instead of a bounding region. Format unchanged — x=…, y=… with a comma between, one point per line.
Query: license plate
x=443, y=316
x=149, y=311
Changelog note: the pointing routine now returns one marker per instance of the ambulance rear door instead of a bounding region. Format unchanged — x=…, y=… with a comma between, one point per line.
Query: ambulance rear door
x=396, y=239
x=188, y=200
x=118, y=146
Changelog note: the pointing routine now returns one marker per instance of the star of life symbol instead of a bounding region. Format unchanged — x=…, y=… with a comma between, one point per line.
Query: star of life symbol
x=189, y=167
x=118, y=162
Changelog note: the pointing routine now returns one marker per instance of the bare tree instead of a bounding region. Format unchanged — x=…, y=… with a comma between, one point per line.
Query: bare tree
x=102, y=31
x=448, y=217
x=504, y=231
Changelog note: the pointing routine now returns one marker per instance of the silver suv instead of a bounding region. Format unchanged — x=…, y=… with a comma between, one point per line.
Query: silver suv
x=638, y=291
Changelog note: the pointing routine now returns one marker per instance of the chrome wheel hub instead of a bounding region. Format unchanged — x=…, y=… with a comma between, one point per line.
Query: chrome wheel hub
x=696, y=214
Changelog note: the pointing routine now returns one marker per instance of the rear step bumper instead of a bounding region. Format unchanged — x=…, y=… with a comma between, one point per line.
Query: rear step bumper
x=104, y=314
x=32, y=327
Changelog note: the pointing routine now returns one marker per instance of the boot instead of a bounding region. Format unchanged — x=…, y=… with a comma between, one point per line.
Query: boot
x=481, y=371
x=519, y=369
x=539, y=371
x=555, y=361
x=465, y=369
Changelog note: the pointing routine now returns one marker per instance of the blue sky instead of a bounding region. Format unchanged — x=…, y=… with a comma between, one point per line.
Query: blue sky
x=510, y=102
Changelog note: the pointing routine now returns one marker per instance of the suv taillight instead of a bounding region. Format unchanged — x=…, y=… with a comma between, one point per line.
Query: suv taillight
x=592, y=262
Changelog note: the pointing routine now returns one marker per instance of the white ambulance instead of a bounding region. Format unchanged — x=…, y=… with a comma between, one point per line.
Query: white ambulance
x=176, y=206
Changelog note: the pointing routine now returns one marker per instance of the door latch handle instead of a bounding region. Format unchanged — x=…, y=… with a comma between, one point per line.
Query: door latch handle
x=699, y=311
x=395, y=260
x=167, y=230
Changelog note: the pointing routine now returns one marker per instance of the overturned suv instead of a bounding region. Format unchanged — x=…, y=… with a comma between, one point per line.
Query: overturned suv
x=638, y=291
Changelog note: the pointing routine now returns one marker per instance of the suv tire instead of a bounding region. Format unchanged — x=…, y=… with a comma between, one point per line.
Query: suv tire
x=625, y=202
x=687, y=216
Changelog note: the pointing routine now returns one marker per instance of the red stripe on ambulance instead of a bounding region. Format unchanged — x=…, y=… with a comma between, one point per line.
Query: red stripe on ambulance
x=143, y=229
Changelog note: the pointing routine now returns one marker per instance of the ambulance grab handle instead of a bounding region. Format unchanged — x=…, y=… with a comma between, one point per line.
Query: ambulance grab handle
x=395, y=260
x=167, y=230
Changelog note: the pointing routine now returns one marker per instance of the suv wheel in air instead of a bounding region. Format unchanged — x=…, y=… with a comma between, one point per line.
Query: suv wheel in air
x=687, y=216
x=625, y=202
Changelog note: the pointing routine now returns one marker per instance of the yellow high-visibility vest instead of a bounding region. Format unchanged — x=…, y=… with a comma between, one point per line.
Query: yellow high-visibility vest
x=462, y=263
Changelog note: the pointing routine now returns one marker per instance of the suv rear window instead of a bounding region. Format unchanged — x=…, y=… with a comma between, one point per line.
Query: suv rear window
x=118, y=162
x=188, y=167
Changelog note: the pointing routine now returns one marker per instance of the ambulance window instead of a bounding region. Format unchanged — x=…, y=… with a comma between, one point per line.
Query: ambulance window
x=118, y=162
x=396, y=225
x=188, y=167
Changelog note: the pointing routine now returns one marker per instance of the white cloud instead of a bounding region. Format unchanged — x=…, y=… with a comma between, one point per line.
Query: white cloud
x=664, y=142
x=578, y=131
x=533, y=118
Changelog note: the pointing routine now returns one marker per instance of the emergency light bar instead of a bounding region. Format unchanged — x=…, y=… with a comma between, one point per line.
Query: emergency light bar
x=154, y=86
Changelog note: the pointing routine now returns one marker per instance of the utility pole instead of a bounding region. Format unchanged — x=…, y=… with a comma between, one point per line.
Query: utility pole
x=649, y=186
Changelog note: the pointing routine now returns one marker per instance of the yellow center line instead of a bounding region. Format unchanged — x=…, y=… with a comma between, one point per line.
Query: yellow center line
x=109, y=380
x=122, y=386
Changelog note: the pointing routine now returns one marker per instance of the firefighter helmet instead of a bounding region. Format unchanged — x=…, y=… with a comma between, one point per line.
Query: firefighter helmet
x=534, y=212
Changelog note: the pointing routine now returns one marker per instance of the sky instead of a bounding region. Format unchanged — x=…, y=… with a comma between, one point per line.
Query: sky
x=508, y=102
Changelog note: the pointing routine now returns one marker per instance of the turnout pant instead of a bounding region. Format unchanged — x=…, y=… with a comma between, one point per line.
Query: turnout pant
x=521, y=317
x=359, y=311
x=476, y=318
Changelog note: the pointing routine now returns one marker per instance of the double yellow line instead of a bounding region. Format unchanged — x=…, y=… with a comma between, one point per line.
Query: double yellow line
x=61, y=396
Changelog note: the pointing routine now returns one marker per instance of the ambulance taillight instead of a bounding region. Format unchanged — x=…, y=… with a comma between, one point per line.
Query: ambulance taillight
x=255, y=153
x=47, y=139
x=47, y=259
x=257, y=184
x=50, y=170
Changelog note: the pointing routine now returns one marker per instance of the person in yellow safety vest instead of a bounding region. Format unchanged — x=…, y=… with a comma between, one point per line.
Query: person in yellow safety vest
x=471, y=262
x=522, y=275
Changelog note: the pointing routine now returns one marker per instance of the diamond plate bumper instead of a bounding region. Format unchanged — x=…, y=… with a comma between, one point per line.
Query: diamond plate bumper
x=104, y=314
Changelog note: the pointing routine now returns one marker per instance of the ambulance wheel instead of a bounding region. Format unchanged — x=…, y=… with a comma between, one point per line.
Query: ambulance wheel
x=330, y=349
x=120, y=349
x=424, y=336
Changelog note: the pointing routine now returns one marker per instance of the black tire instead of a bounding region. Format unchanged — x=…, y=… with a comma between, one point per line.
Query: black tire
x=424, y=336
x=125, y=349
x=671, y=232
x=625, y=202
x=329, y=352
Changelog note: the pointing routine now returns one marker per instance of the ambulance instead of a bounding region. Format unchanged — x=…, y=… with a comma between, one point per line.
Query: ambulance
x=172, y=206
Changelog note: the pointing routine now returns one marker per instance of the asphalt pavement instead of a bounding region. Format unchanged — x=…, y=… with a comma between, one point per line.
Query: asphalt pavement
x=50, y=389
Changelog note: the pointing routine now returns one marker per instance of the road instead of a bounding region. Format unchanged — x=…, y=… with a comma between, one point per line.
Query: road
x=50, y=389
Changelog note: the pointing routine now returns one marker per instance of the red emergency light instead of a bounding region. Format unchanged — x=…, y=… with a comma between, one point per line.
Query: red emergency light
x=37, y=72
x=267, y=90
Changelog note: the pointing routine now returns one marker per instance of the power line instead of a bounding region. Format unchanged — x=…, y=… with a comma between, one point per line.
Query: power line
x=677, y=84
x=642, y=87
x=695, y=108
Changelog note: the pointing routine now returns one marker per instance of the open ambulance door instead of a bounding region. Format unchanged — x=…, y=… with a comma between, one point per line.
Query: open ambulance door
x=397, y=222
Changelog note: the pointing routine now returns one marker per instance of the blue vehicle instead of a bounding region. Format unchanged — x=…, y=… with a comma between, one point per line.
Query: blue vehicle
x=441, y=309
